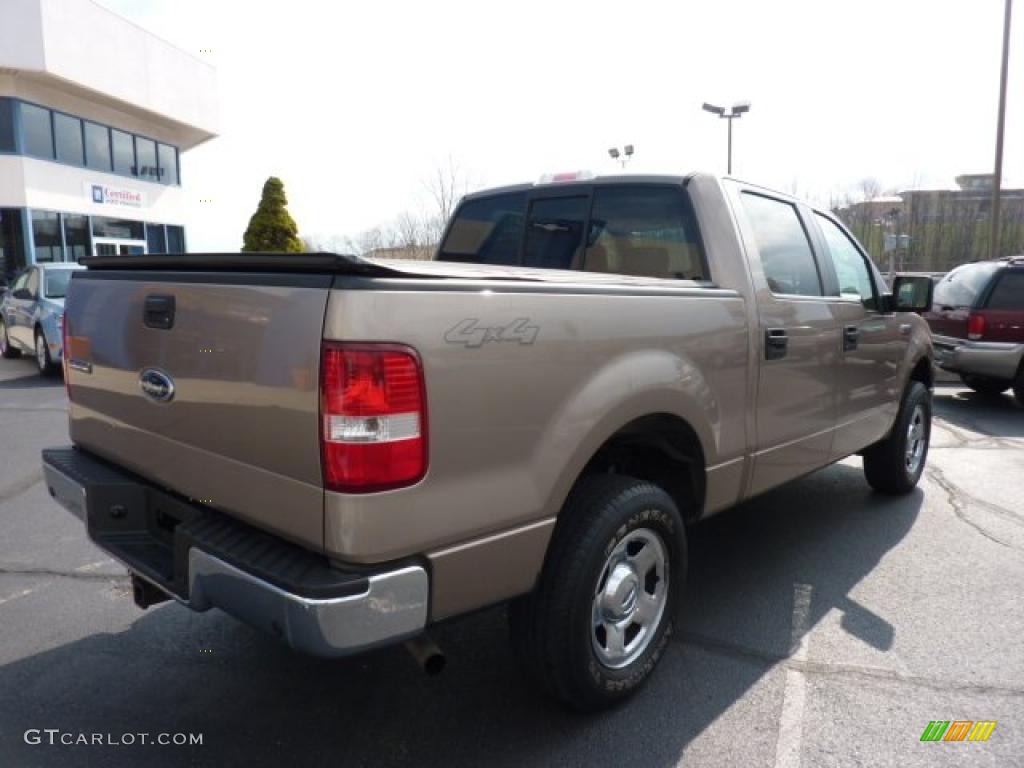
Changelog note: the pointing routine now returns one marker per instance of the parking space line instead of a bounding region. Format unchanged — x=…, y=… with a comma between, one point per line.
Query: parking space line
x=787, y=748
x=16, y=595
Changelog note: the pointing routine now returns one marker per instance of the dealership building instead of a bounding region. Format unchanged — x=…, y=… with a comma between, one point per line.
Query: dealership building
x=95, y=116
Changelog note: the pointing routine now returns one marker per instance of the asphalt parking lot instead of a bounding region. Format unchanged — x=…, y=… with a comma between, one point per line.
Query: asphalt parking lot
x=825, y=625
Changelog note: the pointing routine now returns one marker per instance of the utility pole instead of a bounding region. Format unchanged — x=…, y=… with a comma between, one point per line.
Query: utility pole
x=997, y=182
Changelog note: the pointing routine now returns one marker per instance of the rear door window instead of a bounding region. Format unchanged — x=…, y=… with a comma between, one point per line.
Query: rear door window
x=1008, y=292
x=554, y=232
x=782, y=243
x=960, y=288
x=647, y=231
x=486, y=230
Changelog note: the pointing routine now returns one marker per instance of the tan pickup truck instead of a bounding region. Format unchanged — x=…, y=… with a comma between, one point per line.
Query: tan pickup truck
x=343, y=452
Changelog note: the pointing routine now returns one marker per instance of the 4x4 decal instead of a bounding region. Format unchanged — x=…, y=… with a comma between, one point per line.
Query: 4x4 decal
x=468, y=333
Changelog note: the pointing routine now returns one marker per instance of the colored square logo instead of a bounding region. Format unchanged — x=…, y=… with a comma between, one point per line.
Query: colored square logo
x=97, y=193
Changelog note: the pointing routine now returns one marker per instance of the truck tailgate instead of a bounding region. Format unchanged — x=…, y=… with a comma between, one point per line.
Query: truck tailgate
x=240, y=430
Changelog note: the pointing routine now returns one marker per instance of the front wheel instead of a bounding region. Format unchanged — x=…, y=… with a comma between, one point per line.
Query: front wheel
x=6, y=350
x=43, y=360
x=603, y=611
x=895, y=464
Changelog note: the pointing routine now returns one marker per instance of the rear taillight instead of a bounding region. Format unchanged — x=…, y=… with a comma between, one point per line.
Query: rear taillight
x=65, y=334
x=373, y=417
x=975, y=326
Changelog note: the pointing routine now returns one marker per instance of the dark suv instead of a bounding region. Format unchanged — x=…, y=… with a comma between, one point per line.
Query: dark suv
x=977, y=320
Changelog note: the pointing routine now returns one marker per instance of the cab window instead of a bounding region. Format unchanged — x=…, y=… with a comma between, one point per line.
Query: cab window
x=849, y=263
x=647, y=231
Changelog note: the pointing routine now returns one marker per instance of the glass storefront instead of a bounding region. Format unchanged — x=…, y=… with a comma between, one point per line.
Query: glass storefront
x=77, y=242
x=58, y=236
x=12, y=244
x=46, y=236
x=122, y=229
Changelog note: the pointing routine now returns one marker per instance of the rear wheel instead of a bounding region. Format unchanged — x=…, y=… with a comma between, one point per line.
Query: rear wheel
x=984, y=385
x=6, y=350
x=43, y=360
x=604, y=609
x=895, y=464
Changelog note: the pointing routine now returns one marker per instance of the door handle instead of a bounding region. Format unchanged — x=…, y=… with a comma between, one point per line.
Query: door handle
x=905, y=329
x=776, y=343
x=851, y=334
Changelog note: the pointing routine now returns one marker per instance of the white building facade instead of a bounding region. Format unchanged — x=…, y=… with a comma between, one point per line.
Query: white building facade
x=95, y=115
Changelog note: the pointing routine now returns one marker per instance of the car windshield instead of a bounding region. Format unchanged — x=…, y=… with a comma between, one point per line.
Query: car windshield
x=57, y=283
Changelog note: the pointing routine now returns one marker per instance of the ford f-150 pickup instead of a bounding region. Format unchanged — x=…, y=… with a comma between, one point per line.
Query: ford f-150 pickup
x=344, y=451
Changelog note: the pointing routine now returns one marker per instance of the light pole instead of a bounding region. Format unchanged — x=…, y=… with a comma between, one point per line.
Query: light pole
x=997, y=182
x=735, y=111
x=624, y=156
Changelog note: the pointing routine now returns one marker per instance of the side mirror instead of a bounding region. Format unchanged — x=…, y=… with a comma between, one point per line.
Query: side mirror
x=23, y=294
x=912, y=293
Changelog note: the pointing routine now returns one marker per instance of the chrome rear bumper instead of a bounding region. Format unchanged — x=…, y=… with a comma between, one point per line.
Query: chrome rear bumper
x=393, y=608
x=202, y=563
x=994, y=359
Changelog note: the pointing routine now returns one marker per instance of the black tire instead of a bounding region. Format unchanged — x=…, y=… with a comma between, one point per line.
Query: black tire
x=1018, y=385
x=553, y=629
x=983, y=385
x=6, y=350
x=887, y=464
x=43, y=361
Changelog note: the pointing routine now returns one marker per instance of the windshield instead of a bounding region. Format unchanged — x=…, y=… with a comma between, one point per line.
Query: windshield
x=57, y=283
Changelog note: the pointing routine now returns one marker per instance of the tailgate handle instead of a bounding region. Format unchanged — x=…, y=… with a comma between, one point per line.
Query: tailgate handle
x=159, y=312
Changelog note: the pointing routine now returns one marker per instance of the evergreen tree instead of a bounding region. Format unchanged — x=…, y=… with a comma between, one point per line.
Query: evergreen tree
x=272, y=228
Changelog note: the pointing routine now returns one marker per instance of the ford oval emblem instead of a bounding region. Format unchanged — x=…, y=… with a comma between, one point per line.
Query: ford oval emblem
x=156, y=385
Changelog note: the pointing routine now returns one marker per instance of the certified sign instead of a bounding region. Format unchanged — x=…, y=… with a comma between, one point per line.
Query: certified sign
x=124, y=197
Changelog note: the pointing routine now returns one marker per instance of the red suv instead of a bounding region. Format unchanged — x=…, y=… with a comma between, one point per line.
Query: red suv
x=977, y=320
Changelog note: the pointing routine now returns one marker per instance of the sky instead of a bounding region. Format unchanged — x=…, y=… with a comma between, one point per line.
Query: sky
x=355, y=104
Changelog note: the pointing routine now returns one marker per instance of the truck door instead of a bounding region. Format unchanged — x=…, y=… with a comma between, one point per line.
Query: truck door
x=798, y=341
x=871, y=347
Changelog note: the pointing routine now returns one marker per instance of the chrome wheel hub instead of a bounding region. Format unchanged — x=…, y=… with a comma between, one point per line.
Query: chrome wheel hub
x=41, y=352
x=917, y=440
x=629, y=598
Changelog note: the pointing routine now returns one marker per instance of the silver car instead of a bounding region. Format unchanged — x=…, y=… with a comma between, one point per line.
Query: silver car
x=32, y=314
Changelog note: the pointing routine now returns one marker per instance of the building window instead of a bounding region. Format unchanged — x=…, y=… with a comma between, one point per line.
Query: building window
x=46, y=236
x=145, y=159
x=124, y=152
x=97, y=146
x=37, y=131
x=67, y=131
x=6, y=125
x=76, y=236
x=168, y=164
x=68, y=139
x=12, y=244
x=122, y=229
x=155, y=240
x=175, y=239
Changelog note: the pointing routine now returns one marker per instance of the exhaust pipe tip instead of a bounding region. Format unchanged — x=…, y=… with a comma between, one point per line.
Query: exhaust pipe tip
x=426, y=653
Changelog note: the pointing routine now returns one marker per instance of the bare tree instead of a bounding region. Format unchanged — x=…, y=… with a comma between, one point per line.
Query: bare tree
x=870, y=188
x=409, y=230
x=446, y=187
